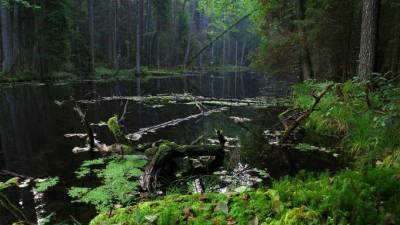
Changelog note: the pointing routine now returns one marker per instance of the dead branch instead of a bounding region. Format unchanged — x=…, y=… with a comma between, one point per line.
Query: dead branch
x=143, y=131
x=86, y=125
x=304, y=115
x=122, y=117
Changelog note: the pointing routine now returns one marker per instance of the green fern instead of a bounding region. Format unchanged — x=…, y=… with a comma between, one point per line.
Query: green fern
x=119, y=181
x=44, y=184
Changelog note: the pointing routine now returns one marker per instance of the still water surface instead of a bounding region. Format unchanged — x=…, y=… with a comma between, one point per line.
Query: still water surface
x=32, y=126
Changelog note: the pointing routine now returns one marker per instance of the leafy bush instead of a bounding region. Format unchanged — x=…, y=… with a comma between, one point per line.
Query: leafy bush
x=119, y=181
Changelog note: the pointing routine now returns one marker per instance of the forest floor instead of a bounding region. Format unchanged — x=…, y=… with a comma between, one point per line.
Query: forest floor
x=349, y=197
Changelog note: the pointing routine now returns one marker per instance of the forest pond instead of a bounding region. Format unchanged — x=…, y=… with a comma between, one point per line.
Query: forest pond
x=33, y=127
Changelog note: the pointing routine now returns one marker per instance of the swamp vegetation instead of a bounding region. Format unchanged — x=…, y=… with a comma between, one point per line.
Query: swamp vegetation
x=219, y=112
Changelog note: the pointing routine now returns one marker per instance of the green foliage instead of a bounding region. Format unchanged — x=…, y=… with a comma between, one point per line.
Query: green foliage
x=151, y=100
x=43, y=185
x=24, y=3
x=304, y=147
x=54, y=36
x=86, y=167
x=367, y=129
x=11, y=182
x=115, y=128
x=119, y=181
x=350, y=197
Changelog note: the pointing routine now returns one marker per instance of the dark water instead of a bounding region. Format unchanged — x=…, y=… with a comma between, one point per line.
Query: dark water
x=32, y=126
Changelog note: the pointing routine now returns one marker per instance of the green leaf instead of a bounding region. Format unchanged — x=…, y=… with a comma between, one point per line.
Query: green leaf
x=45, y=184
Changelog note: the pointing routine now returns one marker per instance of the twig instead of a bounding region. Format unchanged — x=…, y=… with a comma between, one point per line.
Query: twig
x=122, y=117
x=86, y=124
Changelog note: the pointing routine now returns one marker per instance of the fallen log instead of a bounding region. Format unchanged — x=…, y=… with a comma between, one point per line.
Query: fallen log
x=299, y=118
x=163, y=166
x=143, y=131
x=190, y=99
x=304, y=115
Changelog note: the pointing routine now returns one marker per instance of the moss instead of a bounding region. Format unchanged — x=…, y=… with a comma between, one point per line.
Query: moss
x=349, y=197
x=159, y=99
x=115, y=128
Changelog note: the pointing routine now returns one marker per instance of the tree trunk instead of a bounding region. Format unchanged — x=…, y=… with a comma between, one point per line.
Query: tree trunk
x=305, y=55
x=115, y=32
x=139, y=34
x=236, y=53
x=189, y=38
x=243, y=51
x=212, y=53
x=223, y=50
x=349, y=40
x=91, y=35
x=369, y=32
x=16, y=37
x=8, y=60
x=110, y=31
x=396, y=51
x=174, y=32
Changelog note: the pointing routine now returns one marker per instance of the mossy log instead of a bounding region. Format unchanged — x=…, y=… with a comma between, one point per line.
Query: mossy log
x=163, y=167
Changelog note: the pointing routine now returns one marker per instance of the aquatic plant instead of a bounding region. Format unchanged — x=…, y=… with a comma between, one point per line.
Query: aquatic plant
x=119, y=181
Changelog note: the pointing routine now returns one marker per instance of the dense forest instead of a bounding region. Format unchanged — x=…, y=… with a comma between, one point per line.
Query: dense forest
x=219, y=112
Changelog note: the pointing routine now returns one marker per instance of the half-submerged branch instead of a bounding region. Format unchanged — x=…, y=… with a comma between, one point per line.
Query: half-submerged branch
x=143, y=131
x=262, y=102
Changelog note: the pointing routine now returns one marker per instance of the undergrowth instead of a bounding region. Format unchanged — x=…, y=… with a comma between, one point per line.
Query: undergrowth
x=350, y=197
x=367, y=124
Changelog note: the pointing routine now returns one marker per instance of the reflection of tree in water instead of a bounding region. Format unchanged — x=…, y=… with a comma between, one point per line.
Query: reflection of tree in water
x=32, y=127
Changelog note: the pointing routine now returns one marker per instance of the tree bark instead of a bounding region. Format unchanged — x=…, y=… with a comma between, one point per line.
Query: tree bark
x=8, y=59
x=369, y=32
x=305, y=55
x=16, y=36
x=189, y=37
x=243, y=51
x=236, y=53
x=91, y=35
x=139, y=34
x=115, y=35
x=110, y=31
x=174, y=32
